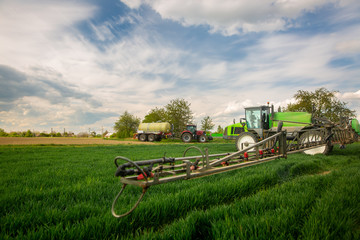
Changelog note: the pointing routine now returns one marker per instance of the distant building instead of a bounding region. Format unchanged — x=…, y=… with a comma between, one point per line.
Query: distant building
x=108, y=135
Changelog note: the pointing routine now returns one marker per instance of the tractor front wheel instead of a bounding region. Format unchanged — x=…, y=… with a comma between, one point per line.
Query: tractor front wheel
x=186, y=137
x=244, y=140
x=202, y=138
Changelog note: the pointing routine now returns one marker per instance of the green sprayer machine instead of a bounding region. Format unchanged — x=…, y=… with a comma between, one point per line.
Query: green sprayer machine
x=261, y=122
x=261, y=136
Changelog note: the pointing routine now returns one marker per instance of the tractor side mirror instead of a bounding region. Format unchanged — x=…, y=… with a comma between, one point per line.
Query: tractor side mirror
x=243, y=121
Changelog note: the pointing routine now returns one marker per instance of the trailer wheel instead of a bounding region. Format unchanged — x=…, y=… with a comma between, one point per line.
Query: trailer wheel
x=142, y=137
x=202, y=138
x=314, y=137
x=244, y=140
x=151, y=138
x=186, y=137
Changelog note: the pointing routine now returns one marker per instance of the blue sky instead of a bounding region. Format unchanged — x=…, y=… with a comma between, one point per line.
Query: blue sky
x=79, y=64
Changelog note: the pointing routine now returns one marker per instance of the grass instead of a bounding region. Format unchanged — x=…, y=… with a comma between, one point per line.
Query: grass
x=65, y=192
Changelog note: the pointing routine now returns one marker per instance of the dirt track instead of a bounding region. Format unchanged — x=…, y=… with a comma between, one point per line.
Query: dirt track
x=62, y=141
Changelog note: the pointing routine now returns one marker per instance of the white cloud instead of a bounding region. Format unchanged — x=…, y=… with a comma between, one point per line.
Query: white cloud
x=142, y=70
x=348, y=46
x=350, y=96
x=352, y=100
x=231, y=17
x=233, y=107
x=34, y=32
x=132, y=3
x=213, y=71
x=125, y=75
x=34, y=17
x=102, y=32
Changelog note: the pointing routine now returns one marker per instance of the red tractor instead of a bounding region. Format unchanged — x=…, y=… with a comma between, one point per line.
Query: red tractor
x=191, y=133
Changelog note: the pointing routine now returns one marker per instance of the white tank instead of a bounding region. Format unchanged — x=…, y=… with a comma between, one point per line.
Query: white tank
x=164, y=127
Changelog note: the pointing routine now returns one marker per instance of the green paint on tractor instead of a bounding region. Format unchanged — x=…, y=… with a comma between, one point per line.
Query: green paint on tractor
x=262, y=118
x=290, y=119
x=355, y=125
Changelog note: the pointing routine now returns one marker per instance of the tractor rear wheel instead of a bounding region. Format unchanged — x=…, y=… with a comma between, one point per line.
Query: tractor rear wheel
x=202, y=138
x=142, y=137
x=244, y=140
x=186, y=137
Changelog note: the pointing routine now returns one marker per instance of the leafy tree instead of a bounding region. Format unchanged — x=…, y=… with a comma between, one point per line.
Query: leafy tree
x=126, y=125
x=43, y=134
x=3, y=133
x=29, y=134
x=321, y=103
x=207, y=124
x=156, y=115
x=178, y=113
x=220, y=130
x=14, y=134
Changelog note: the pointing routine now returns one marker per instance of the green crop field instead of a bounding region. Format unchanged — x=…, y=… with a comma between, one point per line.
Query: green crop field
x=66, y=192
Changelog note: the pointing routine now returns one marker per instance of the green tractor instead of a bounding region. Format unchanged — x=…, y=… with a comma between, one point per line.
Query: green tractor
x=261, y=122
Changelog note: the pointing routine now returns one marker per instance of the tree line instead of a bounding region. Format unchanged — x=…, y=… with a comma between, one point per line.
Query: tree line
x=30, y=133
x=321, y=103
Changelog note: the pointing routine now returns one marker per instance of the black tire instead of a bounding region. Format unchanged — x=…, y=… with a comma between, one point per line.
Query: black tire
x=202, y=138
x=186, y=137
x=244, y=140
x=151, y=138
x=142, y=137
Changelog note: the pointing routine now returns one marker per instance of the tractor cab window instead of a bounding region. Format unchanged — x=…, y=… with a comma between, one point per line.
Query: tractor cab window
x=191, y=128
x=253, y=118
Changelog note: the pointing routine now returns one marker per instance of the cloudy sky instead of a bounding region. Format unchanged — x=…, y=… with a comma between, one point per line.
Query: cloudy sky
x=80, y=64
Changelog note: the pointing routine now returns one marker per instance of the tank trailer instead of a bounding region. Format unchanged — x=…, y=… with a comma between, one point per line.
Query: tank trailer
x=154, y=131
x=157, y=131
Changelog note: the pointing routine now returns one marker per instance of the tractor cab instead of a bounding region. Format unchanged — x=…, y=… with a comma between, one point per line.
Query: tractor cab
x=257, y=119
x=191, y=128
